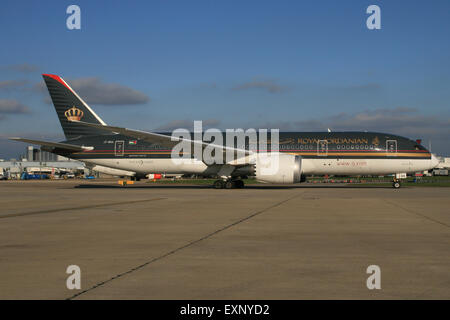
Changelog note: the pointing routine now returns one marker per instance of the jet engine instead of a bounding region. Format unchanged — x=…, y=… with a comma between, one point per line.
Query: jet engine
x=278, y=168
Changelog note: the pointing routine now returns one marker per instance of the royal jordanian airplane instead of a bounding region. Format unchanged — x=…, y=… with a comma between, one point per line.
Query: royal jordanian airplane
x=91, y=140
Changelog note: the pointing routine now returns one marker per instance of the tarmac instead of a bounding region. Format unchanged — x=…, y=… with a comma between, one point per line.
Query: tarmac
x=151, y=241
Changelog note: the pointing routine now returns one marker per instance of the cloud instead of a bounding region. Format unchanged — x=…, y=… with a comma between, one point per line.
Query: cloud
x=266, y=85
x=95, y=91
x=12, y=84
x=24, y=67
x=187, y=124
x=9, y=106
x=400, y=120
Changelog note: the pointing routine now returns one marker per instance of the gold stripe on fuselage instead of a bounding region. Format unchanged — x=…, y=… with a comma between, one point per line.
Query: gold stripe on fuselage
x=362, y=154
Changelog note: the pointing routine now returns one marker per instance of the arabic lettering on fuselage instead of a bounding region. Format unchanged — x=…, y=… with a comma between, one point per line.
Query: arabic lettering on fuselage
x=334, y=140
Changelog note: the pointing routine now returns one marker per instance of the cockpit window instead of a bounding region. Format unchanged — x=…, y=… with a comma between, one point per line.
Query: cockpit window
x=419, y=147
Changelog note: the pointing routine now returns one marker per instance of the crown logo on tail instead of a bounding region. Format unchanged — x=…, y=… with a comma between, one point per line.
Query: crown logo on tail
x=74, y=114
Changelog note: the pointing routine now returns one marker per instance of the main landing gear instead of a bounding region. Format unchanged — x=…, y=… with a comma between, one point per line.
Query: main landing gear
x=228, y=184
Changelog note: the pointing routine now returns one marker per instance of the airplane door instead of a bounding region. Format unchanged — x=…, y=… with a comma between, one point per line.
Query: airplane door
x=391, y=146
x=119, y=148
x=322, y=148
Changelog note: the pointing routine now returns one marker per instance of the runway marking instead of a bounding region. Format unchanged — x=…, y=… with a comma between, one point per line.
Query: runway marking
x=189, y=244
x=21, y=214
x=417, y=214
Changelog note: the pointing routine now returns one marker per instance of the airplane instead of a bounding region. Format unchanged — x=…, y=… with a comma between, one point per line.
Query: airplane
x=90, y=140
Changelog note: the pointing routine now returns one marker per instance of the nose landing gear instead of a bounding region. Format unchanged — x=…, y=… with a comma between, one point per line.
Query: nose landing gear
x=396, y=180
x=396, y=184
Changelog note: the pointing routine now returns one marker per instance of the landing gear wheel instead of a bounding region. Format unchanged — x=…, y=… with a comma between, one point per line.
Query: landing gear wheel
x=239, y=184
x=396, y=184
x=229, y=185
x=218, y=184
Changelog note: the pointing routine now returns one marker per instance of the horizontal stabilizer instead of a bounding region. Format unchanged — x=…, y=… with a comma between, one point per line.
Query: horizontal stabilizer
x=66, y=146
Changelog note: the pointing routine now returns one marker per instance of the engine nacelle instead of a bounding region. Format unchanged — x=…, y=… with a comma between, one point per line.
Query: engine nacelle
x=278, y=168
x=112, y=171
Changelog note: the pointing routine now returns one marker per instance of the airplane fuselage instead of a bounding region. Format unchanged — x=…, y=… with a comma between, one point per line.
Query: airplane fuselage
x=333, y=153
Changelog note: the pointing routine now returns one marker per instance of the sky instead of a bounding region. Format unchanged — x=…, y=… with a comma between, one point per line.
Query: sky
x=291, y=65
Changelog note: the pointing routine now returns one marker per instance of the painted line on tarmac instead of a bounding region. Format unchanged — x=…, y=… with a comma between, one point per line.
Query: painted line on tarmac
x=189, y=244
x=417, y=214
x=100, y=205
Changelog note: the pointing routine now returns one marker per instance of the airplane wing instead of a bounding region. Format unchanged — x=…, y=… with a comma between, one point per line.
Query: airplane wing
x=162, y=139
x=66, y=146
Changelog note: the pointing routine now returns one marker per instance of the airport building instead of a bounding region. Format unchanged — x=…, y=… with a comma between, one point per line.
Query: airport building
x=38, y=161
x=34, y=154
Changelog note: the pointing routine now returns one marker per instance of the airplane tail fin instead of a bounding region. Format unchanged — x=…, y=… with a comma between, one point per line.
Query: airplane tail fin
x=69, y=106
